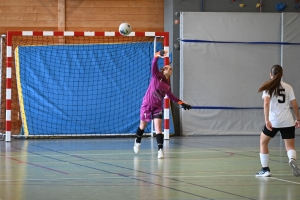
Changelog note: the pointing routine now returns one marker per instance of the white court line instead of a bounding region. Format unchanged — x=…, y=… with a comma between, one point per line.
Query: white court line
x=55, y=179
x=110, y=177
x=235, y=176
x=113, y=153
x=216, y=176
x=284, y=180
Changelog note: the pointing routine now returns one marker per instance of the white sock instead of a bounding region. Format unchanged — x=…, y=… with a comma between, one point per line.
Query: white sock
x=264, y=160
x=292, y=154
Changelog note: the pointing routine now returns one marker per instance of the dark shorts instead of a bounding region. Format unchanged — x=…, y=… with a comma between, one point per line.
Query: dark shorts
x=286, y=132
x=147, y=113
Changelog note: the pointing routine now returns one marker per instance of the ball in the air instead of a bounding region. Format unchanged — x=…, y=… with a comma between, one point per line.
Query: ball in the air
x=125, y=29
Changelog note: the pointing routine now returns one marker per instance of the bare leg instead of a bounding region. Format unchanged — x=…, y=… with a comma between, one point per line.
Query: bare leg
x=264, y=142
x=143, y=124
x=158, y=125
x=289, y=144
x=264, y=156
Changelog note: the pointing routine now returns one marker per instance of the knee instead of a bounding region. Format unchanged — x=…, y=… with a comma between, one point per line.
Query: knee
x=158, y=128
x=143, y=125
x=262, y=142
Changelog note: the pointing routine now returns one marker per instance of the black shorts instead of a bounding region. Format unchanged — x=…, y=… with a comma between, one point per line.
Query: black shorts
x=286, y=132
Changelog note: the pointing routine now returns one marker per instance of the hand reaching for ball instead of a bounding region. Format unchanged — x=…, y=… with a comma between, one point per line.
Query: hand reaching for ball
x=161, y=53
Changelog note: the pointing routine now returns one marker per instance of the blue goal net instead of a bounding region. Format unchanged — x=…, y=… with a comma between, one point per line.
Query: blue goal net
x=83, y=89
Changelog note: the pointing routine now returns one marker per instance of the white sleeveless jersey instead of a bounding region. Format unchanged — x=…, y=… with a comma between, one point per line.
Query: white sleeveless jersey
x=280, y=114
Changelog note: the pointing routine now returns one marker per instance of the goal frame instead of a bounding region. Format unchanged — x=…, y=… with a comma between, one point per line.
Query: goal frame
x=9, y=65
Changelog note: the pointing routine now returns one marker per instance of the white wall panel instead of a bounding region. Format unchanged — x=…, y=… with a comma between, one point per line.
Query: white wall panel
x=226, y=74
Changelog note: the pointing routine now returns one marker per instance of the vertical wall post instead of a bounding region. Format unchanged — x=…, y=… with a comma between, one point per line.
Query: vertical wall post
x=8, y=87
x=166, y=99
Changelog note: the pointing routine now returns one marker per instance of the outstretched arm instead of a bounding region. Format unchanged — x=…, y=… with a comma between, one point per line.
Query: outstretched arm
x=184, y=105
x=181, y=103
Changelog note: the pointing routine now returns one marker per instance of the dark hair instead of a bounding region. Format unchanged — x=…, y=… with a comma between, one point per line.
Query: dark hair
x=272, y=86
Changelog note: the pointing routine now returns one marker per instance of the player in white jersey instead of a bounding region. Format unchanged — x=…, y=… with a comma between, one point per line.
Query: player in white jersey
x=278, y=96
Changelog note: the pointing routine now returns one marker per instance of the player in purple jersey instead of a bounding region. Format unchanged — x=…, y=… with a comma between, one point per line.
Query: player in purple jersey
x=152, y=105
x=278, y=96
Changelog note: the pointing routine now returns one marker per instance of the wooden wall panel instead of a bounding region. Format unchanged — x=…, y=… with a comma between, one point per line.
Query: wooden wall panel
x=28, y=3
x=81, y=15
x=106, y=15
x=61, y=11
x=28, y=15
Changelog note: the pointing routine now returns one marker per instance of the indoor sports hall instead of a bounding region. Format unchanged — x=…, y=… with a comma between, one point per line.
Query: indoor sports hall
x=72, y=85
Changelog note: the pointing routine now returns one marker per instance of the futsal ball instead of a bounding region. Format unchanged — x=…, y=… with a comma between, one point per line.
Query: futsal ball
x=125, y=29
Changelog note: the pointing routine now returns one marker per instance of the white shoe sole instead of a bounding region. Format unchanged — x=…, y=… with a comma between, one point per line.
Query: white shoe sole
x=135, y=150
x=295, y=168
x=263, y=175
x=160, y=155
x=136, y=147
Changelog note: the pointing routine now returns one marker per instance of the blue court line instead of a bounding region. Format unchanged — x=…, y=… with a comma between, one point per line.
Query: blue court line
x=236, y=42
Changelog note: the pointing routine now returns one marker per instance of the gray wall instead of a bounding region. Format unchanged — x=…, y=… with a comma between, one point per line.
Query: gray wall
x=220, y=77
x=173, y=7
x=221, y=74
x=250, y=6
x=172, y=13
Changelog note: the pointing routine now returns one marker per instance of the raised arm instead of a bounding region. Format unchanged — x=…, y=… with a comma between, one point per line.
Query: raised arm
x=154, y=66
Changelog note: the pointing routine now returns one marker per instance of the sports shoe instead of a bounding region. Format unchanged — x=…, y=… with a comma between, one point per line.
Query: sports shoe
x=136, y=146
x=264, y=172
x=160, y=154
x=294, y=166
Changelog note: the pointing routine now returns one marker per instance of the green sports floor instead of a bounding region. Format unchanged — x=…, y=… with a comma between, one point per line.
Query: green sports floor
x=196, y=167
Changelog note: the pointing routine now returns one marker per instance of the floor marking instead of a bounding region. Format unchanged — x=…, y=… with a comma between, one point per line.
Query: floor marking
x=166, y=152
x=218, y=176
x=284, y=180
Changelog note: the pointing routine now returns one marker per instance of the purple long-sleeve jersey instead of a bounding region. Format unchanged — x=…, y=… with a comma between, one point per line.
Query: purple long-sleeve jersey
x=159, y=87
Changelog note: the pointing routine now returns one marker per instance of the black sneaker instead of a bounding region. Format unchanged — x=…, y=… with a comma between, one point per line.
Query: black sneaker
x=294, y=166
x=264, y=172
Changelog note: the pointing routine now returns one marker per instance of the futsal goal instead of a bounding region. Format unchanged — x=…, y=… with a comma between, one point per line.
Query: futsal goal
x=78, y=84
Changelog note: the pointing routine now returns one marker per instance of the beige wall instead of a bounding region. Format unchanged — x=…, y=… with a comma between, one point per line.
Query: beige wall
x=72, y=15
